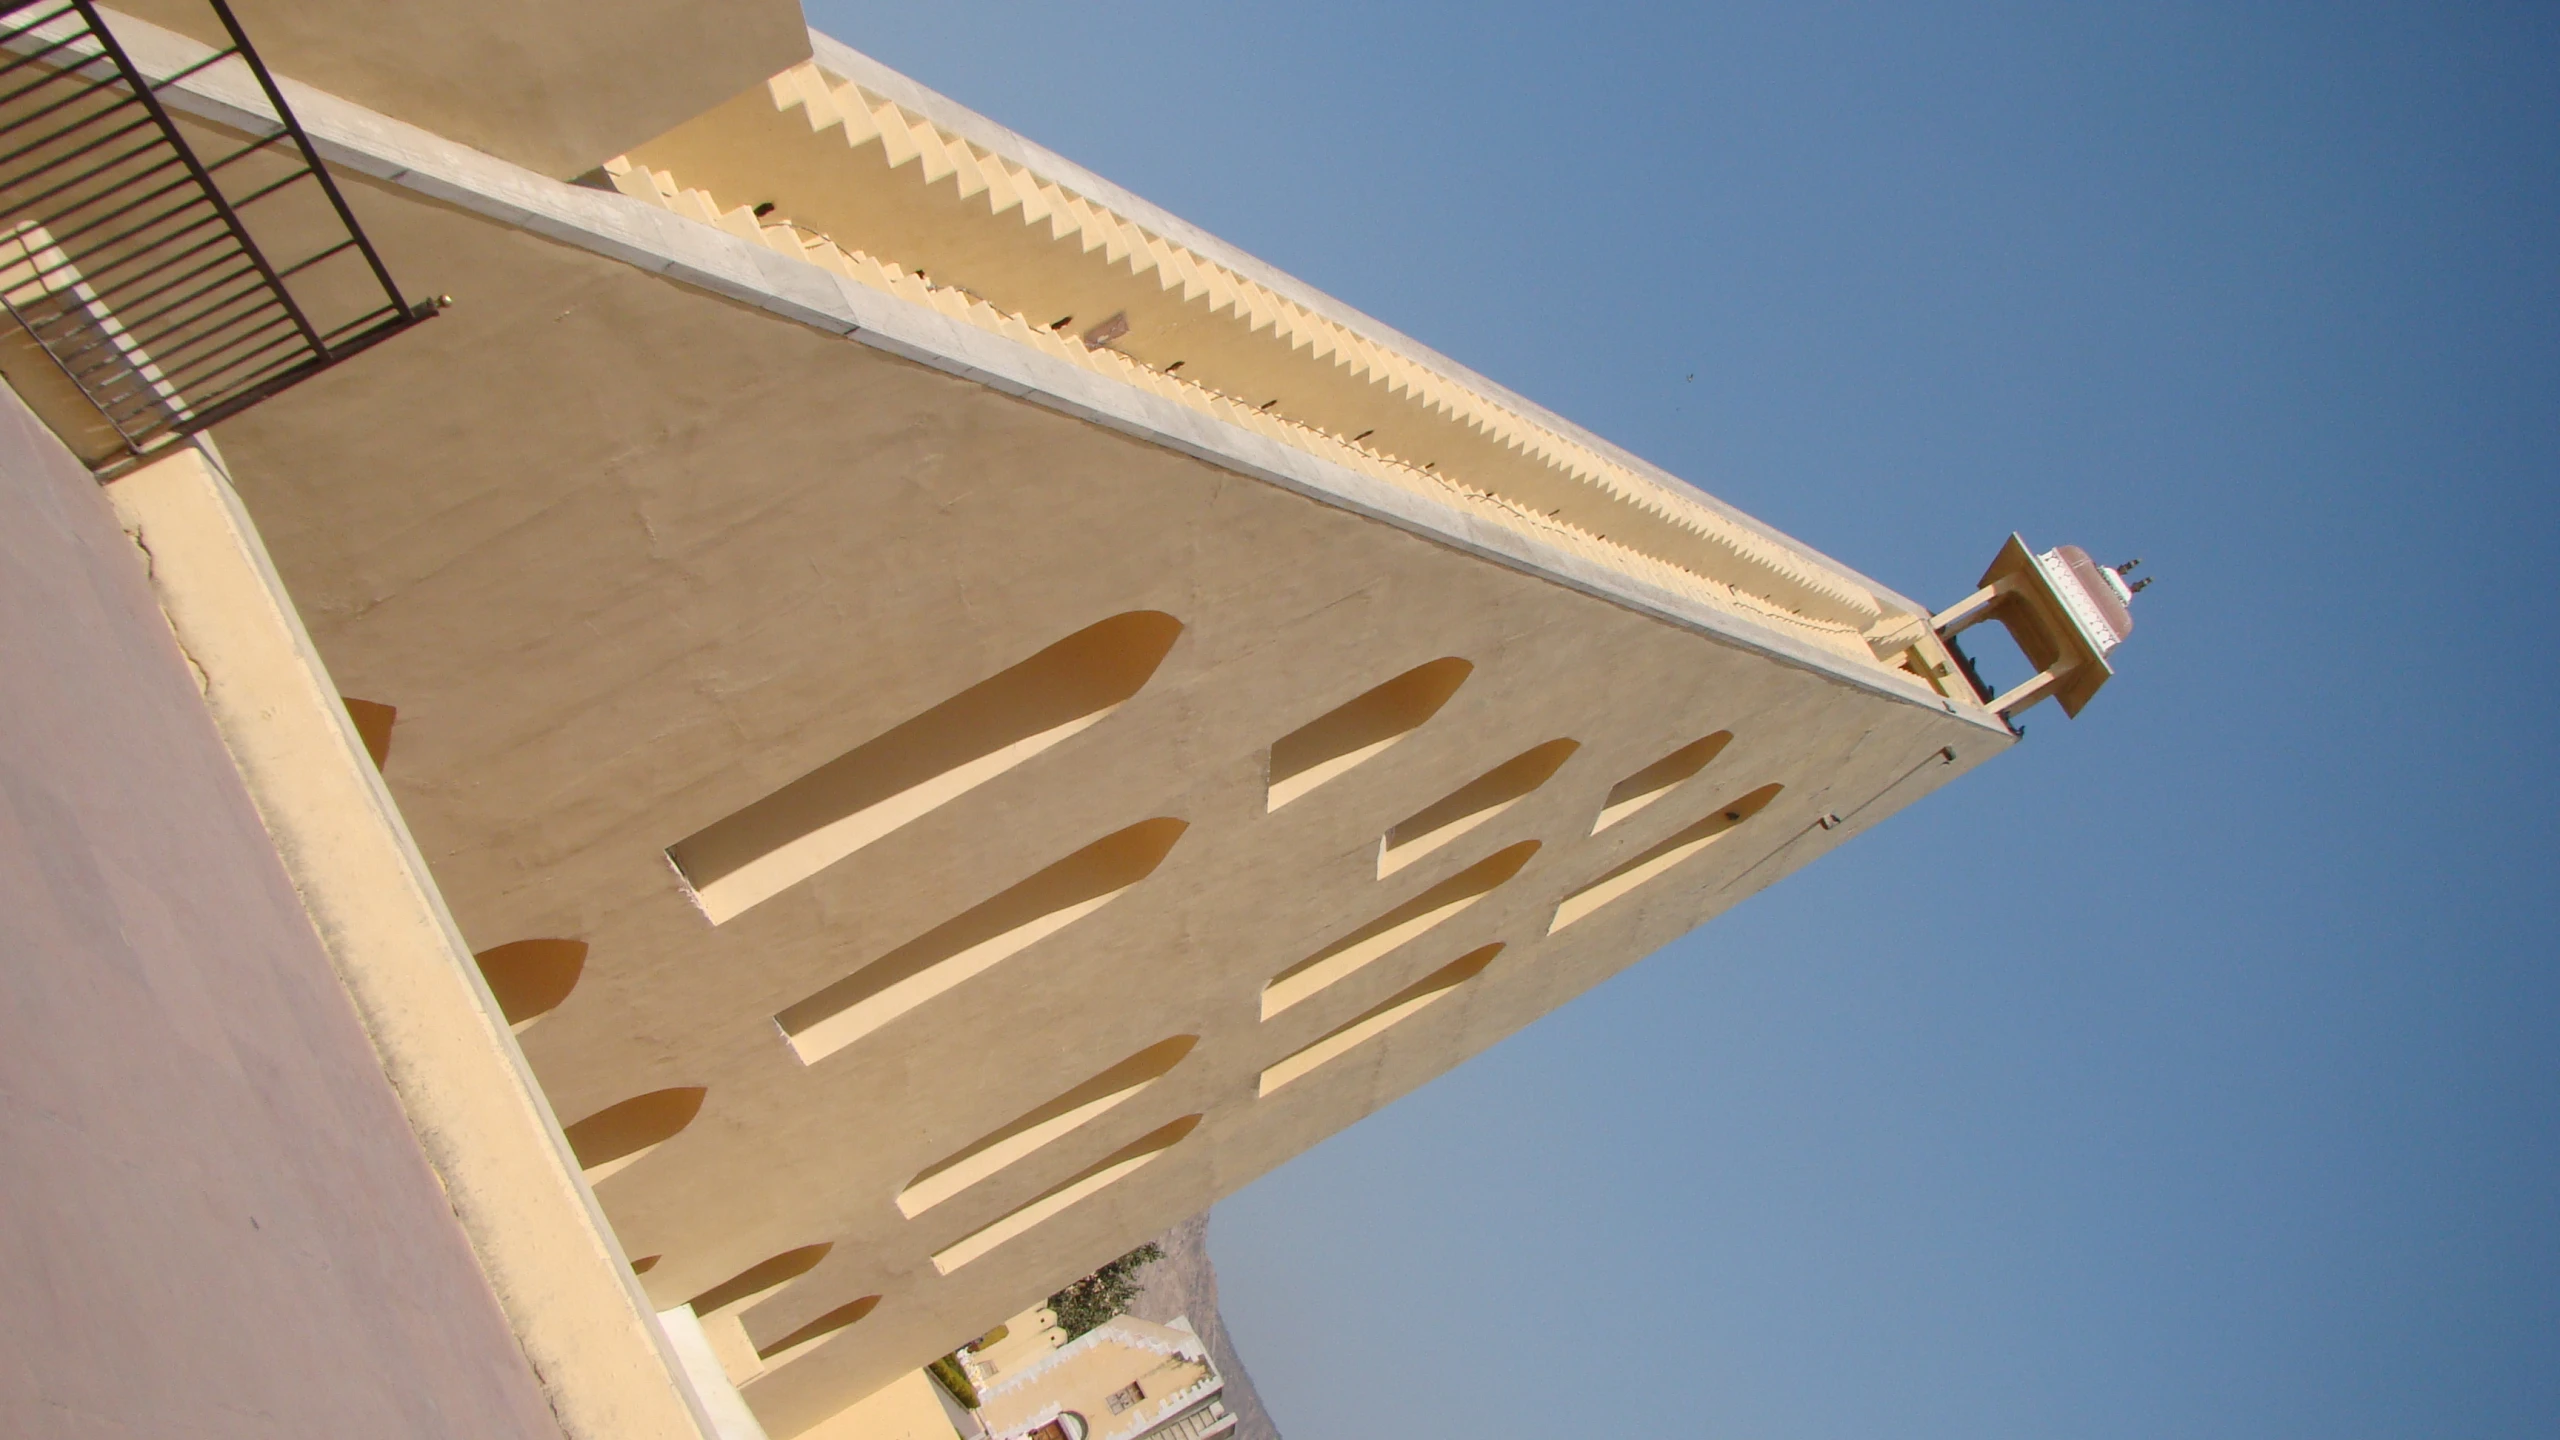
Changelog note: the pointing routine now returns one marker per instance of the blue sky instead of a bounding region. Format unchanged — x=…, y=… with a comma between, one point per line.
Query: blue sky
x=2190, y=1071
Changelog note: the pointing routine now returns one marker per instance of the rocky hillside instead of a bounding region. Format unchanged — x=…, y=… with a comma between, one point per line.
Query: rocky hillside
x=1183, y=1283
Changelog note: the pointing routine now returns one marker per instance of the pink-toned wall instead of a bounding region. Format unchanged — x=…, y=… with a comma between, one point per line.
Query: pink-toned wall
x=214, y=1221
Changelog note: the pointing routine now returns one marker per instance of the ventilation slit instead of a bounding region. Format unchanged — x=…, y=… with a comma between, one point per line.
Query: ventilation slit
x=1406, y=922
x=1027, y=1134
x=1652, y=863
x=1658, y=779
x=976, y=940
x=529, y=978
x=1351, y=733
x=1394, y=1010
x=1109, y=1170
x=722, y=1308
x=923, y=764
x=614, y=1138
x=805, y=1339
x=1471, y=805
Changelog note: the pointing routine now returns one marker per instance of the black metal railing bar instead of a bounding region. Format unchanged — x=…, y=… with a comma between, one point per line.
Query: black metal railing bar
x=155, y=290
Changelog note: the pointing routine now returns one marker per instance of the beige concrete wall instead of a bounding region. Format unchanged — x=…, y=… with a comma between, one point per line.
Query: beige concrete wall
x=907, y=1408
x=657, y=522
x=899, y=200
x=628, y=558
x=553, y=85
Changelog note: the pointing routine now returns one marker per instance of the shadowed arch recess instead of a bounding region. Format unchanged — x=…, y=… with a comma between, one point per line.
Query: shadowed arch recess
x=1359, y=729
x=749, y=857
x=1479, y=800
x=759, y=1280
x=721, y=1310
x=614, y=1138
x=1103, y=1173
x=1652, y=864
x=1378, y=1019
x=977, y=939
x=529, y=978
x=1659, y=779
x=1026, y=1134
x=786, y=1348
x=1407, y=922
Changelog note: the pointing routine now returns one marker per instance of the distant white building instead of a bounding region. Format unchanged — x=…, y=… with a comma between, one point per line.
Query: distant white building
x=1126, y=1379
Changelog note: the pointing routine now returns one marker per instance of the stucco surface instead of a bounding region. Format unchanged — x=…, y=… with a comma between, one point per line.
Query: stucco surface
x=628, y=557
x=553, y=85
x=213, y=1218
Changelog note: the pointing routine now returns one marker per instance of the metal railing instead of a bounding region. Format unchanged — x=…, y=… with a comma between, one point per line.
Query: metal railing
x=171, y=290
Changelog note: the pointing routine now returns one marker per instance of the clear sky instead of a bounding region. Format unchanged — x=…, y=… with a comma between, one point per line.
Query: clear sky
x=2189, y=1071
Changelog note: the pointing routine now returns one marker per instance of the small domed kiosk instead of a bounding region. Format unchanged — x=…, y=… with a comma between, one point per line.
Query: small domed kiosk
x=2066, y=611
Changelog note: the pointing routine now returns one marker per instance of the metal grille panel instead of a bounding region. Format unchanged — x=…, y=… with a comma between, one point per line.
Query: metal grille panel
x=169, y=289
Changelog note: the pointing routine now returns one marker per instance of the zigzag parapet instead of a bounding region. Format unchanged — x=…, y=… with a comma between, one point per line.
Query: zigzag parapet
x=832, y=173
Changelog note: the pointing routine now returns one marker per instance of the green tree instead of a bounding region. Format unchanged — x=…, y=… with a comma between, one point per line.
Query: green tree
x=1104, y=1293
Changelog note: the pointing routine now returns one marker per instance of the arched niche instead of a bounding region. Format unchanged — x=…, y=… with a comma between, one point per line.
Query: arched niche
x=977, y=939
x=1028, y=1133
x=1379, y=1018
x=1396, y=928
x=922, y=764
x=529, y=978
x=616, y=1137
x=1659, y=779
x=1092, y=1180
x=1356, y=731
x=1432, y=828
x=1626, y=879
x=373, y=722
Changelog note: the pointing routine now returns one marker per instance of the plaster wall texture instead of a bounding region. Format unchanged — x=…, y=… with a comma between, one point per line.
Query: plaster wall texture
x=838, y=59
x=629, y=558
x=867, y=188
x=658, y=522
x=552, y=85
x=910, y=1407
x=217, y=1223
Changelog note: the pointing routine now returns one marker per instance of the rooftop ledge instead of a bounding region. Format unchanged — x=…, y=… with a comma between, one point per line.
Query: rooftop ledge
x=847, y=165
x=868, y=174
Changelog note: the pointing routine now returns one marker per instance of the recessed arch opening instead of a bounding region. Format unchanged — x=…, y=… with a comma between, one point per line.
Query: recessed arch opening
x=1659, y=779
x=1030, y=1132
x=1662, y=858
x=759, y=1280
x=529, y=978
x=1480, y=800
x=1393, y=930
x=618, y=1136
x=1356, y=731
x=922, y=764
x=373, y=722
x=1101, y=1175
x=789, y=1347
x=1380, y=1018
x=977, y=940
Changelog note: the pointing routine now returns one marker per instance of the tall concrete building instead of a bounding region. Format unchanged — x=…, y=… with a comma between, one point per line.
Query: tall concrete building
x=855, y=718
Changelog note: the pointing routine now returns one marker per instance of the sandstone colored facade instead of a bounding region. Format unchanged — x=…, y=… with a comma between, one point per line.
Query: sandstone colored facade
x=961, y=718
